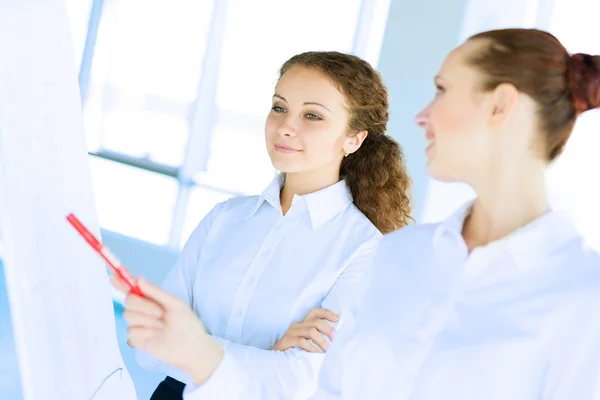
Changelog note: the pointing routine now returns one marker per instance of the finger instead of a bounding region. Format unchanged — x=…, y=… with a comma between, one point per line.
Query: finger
x=140, y=338
x=318, y=338
x=118, y=284
x=305, y=345
x=322, y=313
x=143, y=305
x=143, y=321
x=315, y=330
x=280, y=345
x=324, y=327
x=162, y=297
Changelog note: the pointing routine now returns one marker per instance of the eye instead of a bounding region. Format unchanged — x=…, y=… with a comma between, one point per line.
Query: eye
x=278, y=109
x=313, y=117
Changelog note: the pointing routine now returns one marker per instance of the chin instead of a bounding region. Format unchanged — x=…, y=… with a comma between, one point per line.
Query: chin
x=285, y=166
x=439, y=172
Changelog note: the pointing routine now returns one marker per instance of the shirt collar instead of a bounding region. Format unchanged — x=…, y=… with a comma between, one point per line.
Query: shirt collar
x=526, y=245
x=454, y=223
x=322, y=205
x=271, y=195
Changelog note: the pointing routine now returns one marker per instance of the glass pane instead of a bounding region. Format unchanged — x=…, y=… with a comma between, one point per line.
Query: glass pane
x=574, y=22
x=92, y=120
x=142, y=133
x=257, y=50
x=132, y=201
x=10, y=377
x=156, y=47
x=202, y=200
x=378, y=27
x=78, y=12
x=238, y=161
x=572, y=180
x=145, y=73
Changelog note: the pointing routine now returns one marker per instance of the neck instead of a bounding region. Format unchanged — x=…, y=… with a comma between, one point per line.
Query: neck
x=508, y=202
x=302, y=183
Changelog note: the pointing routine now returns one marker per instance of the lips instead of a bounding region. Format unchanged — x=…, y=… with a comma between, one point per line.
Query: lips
x=286, y=149
x=430, y=139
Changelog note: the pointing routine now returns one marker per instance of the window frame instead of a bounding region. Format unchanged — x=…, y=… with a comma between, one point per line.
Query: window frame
x=202, y=116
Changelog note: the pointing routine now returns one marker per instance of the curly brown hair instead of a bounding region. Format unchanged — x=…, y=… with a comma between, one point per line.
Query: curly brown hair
x=376, y=173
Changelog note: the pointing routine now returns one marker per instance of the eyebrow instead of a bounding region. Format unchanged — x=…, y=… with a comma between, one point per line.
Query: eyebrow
x=307, y=103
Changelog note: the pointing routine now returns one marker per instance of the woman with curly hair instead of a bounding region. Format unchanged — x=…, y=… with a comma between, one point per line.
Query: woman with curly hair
x=289, y=258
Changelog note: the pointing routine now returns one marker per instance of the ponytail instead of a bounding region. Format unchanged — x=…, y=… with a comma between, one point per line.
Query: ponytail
x=375, y=173
x=377, y=178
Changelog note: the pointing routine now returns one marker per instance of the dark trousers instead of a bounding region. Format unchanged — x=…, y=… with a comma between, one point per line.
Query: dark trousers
x=169, y=389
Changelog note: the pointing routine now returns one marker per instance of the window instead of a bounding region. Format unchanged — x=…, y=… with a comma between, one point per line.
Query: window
x=238, y=159
x=133, y=201
x=178, y=93
x=145, y=73
x=254, y=48
x=573, y=179
x=253, y=51
x=78, y=12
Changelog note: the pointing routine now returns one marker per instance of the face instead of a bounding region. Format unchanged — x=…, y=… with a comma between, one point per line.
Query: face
x=307, y=127
x=456, y=122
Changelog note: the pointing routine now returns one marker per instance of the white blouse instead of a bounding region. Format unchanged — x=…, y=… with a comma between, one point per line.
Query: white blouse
x=249, y=273
x=517, y=319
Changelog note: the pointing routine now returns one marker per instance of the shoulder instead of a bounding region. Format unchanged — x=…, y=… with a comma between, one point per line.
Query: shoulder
x=399, y=252
x=233, y=210
x=221, y=214
x=578, y=260
x=581, y=278
x=583, y=263
x=412, y=238
x=237, y=204
x=355, y=219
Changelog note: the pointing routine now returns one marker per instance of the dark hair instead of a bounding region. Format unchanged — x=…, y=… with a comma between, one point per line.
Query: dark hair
x=375, y=174
x=537, y=64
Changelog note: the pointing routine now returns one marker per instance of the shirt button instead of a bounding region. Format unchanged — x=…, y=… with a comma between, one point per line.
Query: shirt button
x=239, y=313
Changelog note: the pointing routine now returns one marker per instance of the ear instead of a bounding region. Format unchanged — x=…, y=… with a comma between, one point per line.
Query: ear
x=354, y=142
x=504, y=103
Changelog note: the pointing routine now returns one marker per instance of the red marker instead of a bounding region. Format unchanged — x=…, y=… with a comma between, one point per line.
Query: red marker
x=103, y=251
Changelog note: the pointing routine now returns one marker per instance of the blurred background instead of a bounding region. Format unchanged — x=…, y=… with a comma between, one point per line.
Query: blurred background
x=175, y=93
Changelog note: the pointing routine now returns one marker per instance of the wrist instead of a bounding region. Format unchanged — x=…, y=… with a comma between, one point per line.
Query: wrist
x=206, y=362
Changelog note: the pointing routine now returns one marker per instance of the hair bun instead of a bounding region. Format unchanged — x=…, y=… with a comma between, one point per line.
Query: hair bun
x=583, y=79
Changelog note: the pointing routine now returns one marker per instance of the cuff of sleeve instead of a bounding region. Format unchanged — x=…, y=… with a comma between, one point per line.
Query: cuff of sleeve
x=223, y=342
x=228, y=382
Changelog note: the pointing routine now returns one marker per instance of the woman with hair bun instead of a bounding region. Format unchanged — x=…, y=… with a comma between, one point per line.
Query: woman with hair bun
x=502, y=299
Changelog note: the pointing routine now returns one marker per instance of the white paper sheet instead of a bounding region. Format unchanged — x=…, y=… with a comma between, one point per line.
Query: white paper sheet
x=59, y=295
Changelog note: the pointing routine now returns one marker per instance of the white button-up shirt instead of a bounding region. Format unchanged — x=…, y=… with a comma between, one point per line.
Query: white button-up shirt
x=249, y=273
x=517, y=319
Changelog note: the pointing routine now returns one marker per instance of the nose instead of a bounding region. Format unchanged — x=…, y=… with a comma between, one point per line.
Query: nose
x=286, y=128
x=422, y=118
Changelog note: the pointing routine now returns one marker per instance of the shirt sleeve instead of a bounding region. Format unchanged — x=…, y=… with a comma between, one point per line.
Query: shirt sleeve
x=251, y=373
x=179, y=282
x=333, y=379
